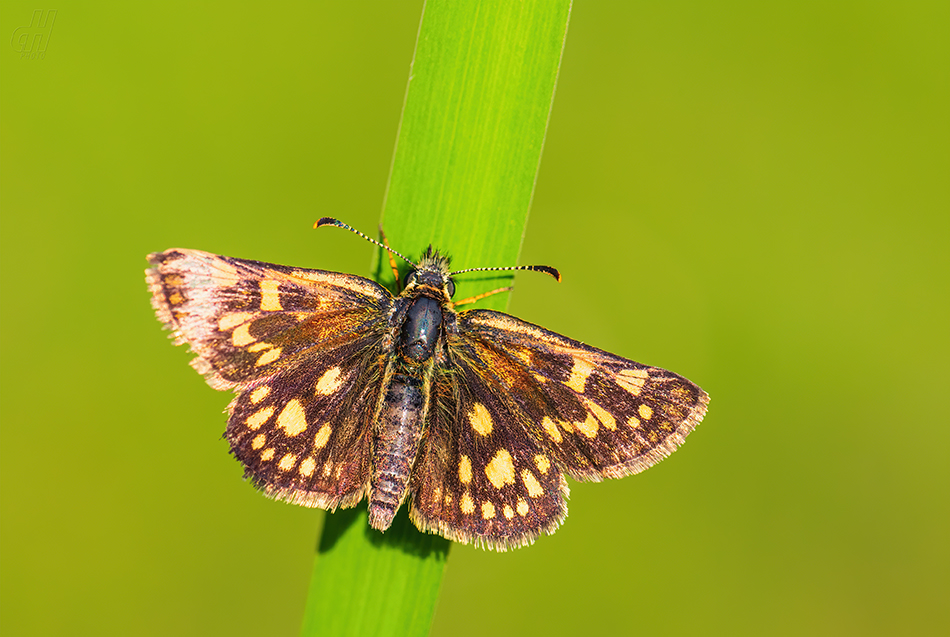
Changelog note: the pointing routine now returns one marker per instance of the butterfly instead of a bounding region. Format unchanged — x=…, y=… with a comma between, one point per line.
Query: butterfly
x=345, y=391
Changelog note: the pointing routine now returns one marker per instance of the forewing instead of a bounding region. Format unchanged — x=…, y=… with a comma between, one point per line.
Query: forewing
x=480, y=477
x=597, y=414
x=246, y=320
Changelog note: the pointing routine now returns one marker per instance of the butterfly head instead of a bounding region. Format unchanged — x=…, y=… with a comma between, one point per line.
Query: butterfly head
x=431, y=276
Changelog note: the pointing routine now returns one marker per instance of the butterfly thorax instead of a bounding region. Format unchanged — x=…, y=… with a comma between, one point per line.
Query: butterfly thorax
x=428, y=289
x=418, y=323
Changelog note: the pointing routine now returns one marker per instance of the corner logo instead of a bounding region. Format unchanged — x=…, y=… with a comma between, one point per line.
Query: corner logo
x=31, y=42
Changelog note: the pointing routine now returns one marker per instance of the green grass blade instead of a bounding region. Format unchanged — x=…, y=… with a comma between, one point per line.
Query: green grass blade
x=480, y=92
x=467, y=154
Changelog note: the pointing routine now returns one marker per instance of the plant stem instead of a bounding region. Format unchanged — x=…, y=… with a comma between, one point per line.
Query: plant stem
x=480, y=91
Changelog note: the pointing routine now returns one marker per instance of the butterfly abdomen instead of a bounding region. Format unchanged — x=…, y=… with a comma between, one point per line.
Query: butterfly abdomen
x=396, y=444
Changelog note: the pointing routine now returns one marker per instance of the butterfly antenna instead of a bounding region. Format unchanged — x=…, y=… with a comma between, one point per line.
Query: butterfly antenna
x=535, y=268
x=330, y=221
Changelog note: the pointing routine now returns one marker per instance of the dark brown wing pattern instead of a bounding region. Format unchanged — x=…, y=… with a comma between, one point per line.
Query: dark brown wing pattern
x=549, y=404
x=301, y=348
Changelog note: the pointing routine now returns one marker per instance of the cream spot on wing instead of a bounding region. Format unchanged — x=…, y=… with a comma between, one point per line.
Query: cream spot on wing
x=232, y=320
x=223, y=274
x=480, y=419
x=579, y=373
x=330, y=382
x=259, y=417
x=269, y=356
x=267, y=454
x=522, y=507
x=307, y=467
x=322, y=436
x=466, y=504
x=287, y=462
x=634, y=422
x=604, y=416
x=632, y=380
x=524, y=355
x=259, y=441
x=488, y=510
x=327, y=468
x=509, y=512
x=551, y=429
x=260, y=393
x=501, y=469
x=588, y=427
x=646, y=412
x=270, y=295
x=542, y=463
x=465, y=470
x=256, y=347
x=242, y=336
x=448, y=499
x=292, y=418
x=531, y=483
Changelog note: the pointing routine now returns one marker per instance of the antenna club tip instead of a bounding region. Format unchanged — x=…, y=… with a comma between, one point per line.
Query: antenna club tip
x=326, y=221
x=549, y=270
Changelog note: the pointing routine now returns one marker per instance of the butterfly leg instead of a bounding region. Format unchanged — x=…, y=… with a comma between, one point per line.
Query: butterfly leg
x=479, y=297
x=392, y=261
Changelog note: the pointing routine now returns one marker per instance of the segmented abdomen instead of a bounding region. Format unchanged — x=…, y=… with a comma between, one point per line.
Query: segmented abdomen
x=395, y=445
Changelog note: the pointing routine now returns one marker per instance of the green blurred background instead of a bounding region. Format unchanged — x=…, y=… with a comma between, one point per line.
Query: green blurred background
x=753, y=195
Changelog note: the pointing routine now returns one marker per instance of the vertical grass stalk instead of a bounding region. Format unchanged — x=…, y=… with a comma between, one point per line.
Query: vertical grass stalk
x=480, y=91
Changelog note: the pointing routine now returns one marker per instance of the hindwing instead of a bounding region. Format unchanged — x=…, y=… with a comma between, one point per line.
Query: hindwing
x=479, y=476
x=305, y=434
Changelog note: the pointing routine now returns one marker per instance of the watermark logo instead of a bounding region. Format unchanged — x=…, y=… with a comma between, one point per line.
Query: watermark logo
x=31, y=42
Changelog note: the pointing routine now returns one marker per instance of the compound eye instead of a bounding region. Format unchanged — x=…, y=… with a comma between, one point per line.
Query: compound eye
x=450, y=287
x=409, y=278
